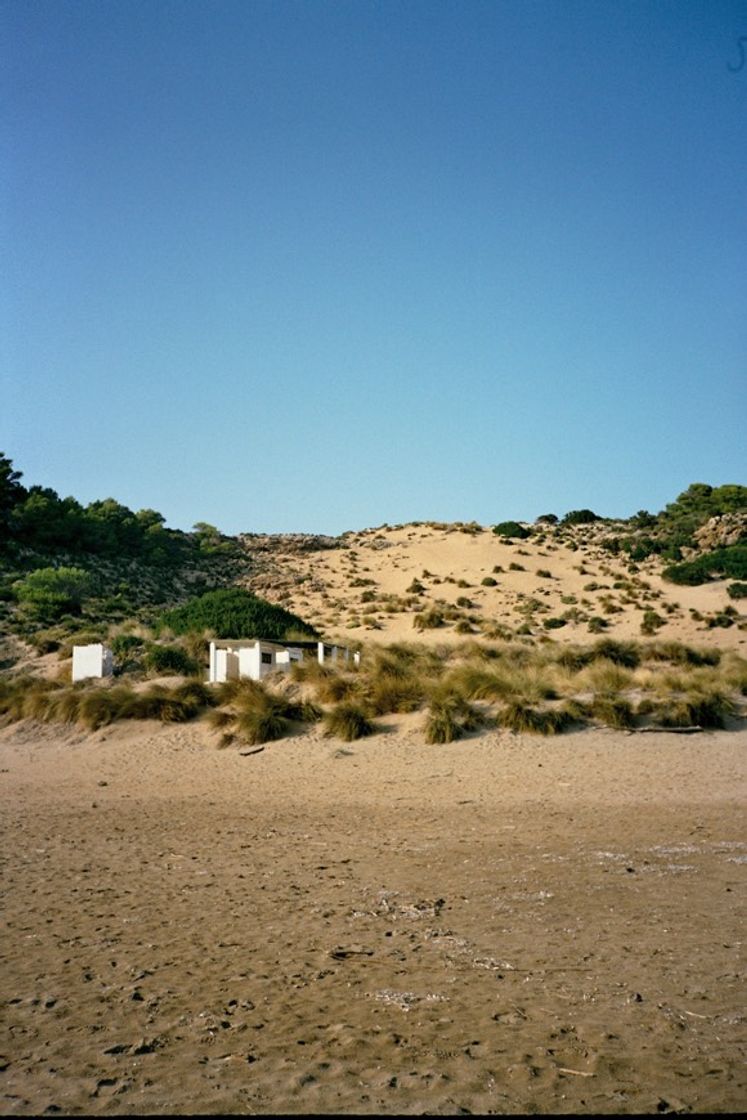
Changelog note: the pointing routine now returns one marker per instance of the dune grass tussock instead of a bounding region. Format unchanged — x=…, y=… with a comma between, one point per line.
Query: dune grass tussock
x=613, y=711
x=450, y=716
x=541, y=688
x=261, y=725
x=348, y=721
x=709, y=710
x=252, y=712
x=521, y=717
x=95, y=707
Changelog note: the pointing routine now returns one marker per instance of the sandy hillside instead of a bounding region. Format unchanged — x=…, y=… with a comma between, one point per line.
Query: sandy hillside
x=363, y=589
x=504, y=924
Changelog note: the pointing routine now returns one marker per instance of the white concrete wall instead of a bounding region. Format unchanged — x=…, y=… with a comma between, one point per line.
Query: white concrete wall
x=248, y=659
x=284, y=658
x=249, y=662
x=223, y=665
x=92, y=661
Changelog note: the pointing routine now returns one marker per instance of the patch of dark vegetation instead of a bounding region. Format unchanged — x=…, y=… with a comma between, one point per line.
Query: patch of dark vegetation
x=234, y=613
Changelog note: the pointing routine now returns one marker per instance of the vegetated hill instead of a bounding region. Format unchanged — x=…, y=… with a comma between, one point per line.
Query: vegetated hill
x=561, y=578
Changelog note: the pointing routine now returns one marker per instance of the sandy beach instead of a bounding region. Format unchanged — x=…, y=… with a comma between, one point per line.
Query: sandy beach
x=505, y=924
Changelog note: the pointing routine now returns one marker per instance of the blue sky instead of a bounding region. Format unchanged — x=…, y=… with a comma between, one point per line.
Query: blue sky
x=316, y=266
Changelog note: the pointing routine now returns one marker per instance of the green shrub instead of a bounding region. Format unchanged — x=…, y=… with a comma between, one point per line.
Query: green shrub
x=651, y=622
x=553, y=623
x=544, y=573
x=169, y=659
x=626, y=654
x=122, y=645
x=729, y=562
x=49, y=593
x=721, y=618
x=234, y=613
x=429, y=620
x=580, y=517
x=737, y=590
x=514, y=567
x=488, y=581
x=512, y=530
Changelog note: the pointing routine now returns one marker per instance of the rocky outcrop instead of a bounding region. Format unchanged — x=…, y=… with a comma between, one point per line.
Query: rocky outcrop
x=288, y=542
x=718, y=532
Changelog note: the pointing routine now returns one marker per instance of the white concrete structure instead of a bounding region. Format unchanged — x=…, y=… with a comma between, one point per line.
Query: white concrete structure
x=232, y=659
x=92, y=661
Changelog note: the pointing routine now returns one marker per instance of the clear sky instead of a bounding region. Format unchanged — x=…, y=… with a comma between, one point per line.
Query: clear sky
x=316, y=265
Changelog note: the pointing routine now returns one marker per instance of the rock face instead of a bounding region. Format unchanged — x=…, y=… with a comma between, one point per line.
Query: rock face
x=288, y=542
x=728, y=528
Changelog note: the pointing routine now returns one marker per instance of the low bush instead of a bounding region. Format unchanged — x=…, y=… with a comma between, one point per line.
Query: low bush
x=620, y=653
x=651, y=622
x=50, y=593
x=737, y=590
x=429, y=620
x=580, y=517
x=169, y=659
x=729, y=562
x=511, y=530
x=234, y=613
x=123, y=645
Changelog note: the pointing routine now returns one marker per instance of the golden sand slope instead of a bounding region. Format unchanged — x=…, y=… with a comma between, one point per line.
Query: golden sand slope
x=362, y=590
x=500, y=925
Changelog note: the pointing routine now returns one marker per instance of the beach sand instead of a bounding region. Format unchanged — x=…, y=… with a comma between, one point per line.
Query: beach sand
x=503, y=924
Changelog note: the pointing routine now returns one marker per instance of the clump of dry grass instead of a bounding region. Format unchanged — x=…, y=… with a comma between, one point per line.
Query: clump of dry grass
x=708, y=710
x=249, y=710
x=521, y=717
x=613, y=711
x=348, y=721
x=330, y=685
x=450, y=716
x=676, y=685
x=261, y=725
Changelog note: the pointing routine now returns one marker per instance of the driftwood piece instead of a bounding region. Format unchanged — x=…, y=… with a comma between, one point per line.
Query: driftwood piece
x=664, y=730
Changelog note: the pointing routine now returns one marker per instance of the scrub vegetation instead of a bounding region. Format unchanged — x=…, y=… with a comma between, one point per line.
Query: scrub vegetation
x=73, y=575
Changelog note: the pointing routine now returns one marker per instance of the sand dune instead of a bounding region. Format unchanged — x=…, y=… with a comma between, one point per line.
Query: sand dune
x=505, y=924
x=360, y=591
